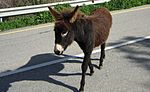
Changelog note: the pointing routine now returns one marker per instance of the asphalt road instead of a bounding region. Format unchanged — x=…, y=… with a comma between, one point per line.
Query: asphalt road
x=126, y=69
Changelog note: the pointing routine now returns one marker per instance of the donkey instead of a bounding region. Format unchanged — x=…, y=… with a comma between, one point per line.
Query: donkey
x=92, y=1
x=88, y=31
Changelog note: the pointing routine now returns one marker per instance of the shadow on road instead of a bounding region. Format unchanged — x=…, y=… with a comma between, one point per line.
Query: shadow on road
x=133, y=52
x=138, y=53
x=40, y=74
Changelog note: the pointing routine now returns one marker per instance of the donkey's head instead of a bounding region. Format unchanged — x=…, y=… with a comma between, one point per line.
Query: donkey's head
x=64, y=34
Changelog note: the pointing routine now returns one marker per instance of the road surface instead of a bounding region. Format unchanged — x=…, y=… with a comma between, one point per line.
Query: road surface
x=126, y=69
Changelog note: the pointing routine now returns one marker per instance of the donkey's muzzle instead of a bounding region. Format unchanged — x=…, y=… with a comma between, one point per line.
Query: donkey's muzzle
x=58, y=49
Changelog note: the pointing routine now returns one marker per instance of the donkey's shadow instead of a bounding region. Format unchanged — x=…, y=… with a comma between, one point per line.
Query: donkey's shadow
x=40, y=74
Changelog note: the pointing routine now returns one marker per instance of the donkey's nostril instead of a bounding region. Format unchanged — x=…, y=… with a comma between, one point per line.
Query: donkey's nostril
x=58, y=52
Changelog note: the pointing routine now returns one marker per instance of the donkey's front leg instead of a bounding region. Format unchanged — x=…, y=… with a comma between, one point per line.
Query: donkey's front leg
x=84, y=69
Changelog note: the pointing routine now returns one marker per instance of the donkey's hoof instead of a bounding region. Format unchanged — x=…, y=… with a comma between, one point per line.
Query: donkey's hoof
x=100, y=67
x=104, y=57
x=91, y=73
x=81, y=90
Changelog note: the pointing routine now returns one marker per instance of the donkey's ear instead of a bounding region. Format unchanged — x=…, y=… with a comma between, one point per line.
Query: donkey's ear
x=74, y=14
x=55, y=14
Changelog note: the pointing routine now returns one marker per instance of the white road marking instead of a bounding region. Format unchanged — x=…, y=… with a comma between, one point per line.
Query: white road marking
x=67, y=58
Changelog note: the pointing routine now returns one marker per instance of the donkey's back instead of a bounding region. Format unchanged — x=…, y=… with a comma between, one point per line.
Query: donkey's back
x=103, y=13
x=101, y=22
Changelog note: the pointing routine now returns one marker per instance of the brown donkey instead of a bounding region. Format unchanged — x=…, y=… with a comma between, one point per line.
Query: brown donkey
x=88, y=31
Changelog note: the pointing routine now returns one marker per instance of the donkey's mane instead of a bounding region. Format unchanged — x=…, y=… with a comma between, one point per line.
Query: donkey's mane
x=66, y=12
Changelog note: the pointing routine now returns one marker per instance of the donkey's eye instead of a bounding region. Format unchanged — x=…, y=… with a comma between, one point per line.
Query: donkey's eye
x=63, y=34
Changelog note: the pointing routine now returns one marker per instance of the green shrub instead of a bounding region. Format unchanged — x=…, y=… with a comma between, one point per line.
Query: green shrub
x=45, y=17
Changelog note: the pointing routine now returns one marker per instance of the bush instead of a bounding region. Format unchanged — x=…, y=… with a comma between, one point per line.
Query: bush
x=45, y=17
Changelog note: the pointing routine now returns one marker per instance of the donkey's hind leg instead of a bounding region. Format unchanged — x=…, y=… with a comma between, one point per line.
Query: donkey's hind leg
x=102, y=55
x=91, y=68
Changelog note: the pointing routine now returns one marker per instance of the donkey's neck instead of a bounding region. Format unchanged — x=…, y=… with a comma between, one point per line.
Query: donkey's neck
x=82, y=30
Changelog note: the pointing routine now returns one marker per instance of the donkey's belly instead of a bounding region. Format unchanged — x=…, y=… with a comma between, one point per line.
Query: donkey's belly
x=99, y=42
